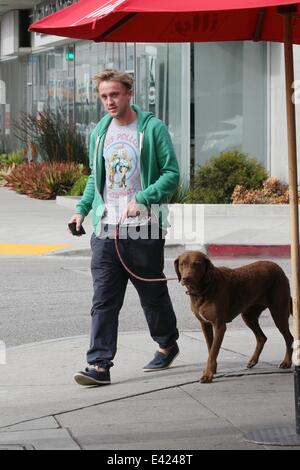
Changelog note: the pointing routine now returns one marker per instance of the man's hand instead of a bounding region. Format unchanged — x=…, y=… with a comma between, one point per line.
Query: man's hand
x=132, y=210
x=78, y=219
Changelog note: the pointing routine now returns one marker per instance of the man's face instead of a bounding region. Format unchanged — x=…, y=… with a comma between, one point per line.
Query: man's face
x=115, y=98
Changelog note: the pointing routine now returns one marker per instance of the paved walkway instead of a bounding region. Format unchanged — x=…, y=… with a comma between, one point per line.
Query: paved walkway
x=41, y=407
x=32, y=227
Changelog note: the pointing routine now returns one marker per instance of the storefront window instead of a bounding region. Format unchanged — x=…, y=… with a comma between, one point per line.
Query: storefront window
x=161, y=89
x=13, y=100
x=225, y=98
x=130, y=56
x=62, y=79
x=90, y=59
x=230, y=99
x=53, y=81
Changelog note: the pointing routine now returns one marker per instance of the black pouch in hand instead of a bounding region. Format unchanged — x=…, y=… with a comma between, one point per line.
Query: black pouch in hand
x=72, y=227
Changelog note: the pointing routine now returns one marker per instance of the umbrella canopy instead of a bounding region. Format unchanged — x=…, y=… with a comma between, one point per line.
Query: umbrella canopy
x=169, y=21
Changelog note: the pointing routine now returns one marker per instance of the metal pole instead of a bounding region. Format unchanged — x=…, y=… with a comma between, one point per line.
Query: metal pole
x=293, y=187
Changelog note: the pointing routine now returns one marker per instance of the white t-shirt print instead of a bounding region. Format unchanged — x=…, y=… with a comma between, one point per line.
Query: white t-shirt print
x=122, y=167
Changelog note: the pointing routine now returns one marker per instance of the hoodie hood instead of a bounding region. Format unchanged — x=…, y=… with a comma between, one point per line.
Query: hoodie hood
x=143, y=117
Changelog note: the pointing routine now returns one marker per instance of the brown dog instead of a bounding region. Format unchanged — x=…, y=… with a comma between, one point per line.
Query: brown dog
x=218, y=295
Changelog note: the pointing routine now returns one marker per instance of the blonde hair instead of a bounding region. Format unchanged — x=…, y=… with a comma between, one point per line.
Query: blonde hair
x=114, y=75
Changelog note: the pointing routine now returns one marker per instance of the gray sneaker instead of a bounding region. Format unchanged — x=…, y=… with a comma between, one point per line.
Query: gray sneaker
x=92, y=377
x=162, y=361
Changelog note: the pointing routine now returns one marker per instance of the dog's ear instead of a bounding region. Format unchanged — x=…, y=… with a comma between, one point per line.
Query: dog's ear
x=209, y=269
x=176, y=266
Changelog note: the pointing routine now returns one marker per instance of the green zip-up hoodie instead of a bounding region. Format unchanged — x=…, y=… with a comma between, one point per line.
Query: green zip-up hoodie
x=158, y=166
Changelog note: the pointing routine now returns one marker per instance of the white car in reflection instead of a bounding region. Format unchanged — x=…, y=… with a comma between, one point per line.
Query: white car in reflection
x=229, y=137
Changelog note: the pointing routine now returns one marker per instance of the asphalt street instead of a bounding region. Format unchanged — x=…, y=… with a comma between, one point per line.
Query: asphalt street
x=49, y=297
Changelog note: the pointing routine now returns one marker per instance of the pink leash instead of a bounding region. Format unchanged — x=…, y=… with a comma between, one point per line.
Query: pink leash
x=130, y=272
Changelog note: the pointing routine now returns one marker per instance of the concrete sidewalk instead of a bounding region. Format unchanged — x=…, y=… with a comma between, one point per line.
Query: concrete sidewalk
x=43, y=408
x=36, y=224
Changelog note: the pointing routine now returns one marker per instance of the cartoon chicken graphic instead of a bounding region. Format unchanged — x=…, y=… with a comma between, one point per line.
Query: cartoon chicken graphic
x=124, y=166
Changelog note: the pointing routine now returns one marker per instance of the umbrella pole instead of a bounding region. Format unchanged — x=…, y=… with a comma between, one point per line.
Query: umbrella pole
x=294, y=215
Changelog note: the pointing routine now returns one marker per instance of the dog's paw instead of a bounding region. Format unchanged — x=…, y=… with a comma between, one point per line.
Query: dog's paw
x=206, y=378
x=285, y=365
x=251, y=363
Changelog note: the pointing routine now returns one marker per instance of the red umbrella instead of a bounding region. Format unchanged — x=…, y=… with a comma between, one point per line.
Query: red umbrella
x=169, y=21
x=201, y=21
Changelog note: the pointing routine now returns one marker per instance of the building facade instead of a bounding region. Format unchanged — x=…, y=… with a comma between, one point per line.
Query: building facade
x=212, y=96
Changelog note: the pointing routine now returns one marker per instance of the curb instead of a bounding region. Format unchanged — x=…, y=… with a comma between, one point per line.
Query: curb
x=235, y=251
x=170, y=251
x=212, y=250
x=80, y=253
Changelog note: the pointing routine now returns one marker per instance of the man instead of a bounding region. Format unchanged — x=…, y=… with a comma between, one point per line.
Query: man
x=133, y=166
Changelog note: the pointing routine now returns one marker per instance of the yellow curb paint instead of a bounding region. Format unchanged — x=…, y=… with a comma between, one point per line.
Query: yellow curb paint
x=28, y=249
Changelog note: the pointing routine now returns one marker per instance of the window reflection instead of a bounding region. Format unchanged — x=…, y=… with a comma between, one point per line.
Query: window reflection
x=47, y=7
x=53, y=80
x=90, y=59
x=159, y=87
x=230, y=99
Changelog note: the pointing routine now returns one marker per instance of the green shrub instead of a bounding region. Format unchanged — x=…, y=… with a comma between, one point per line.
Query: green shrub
x=7, y=160
x=16, y=157
x=8, y=163
x=43, y=180
x=78, y=187
x=55, y=139
x=215, y=181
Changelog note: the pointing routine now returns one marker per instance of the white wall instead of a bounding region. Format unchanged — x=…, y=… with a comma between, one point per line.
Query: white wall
x=9, y=33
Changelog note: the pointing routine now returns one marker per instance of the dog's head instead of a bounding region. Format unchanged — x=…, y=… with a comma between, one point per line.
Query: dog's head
x=194, y=269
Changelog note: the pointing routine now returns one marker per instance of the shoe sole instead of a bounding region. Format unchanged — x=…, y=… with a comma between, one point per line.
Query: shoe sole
x=162, y=368
x=81, y=379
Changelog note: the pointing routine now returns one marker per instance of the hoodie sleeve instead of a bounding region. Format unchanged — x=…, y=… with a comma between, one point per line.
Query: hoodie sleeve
x=168, y=179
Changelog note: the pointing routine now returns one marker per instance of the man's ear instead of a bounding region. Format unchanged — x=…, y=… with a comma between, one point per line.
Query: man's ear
x=176, y=265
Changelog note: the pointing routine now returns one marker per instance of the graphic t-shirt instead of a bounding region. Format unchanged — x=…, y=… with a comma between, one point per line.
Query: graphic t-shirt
x=122, y=166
